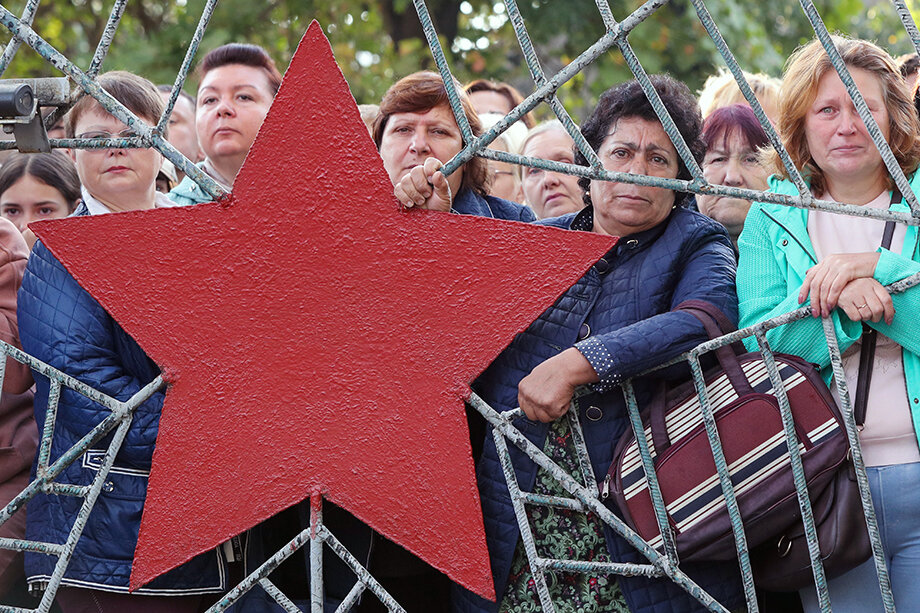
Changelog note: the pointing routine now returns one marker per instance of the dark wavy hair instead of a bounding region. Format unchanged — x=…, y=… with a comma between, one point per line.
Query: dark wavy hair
x=627, y=100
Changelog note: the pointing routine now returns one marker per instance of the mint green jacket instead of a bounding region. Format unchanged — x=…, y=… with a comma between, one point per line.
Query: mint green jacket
x=776, y=252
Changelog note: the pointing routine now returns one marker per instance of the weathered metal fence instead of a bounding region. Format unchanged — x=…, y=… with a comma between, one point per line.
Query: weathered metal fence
x=584, y=495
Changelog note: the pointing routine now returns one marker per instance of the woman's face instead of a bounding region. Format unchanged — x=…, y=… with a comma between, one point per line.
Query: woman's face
x=836, y=137
x=505, y=183
x=410, y=138
x=114, y=176
x=232, y=103
x=487, y=101
x=551, y=194
x=642, y=147
x=29, y=199
x=731, y=161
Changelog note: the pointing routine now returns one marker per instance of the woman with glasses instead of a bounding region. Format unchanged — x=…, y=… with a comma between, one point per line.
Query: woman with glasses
x=63, y=326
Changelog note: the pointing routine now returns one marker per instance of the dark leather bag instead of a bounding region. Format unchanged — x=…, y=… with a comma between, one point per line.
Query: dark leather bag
x=753, y=439
x=782, y=564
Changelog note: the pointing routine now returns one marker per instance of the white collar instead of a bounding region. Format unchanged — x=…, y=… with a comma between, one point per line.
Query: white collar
x=95, y=207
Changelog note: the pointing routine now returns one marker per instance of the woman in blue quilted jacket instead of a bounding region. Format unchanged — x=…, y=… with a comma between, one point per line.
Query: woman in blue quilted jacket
x=63, y=326
x=618, y=320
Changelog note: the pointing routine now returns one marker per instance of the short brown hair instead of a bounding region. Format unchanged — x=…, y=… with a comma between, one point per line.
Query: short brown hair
x=420, y=92
x=244, y=54
x=135, y=92
x=804, y=70
x=504, y=89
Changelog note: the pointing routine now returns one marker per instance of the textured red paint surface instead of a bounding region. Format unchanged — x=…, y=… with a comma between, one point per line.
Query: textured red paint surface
x=316, y=336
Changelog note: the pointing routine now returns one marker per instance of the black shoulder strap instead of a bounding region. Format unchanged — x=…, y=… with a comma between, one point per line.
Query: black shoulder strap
x=869, y=338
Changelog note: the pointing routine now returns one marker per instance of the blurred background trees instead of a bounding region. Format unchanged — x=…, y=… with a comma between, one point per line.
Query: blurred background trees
x=378, y=41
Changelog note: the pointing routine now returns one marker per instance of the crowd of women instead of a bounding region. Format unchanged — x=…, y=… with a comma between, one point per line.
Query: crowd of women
x=751, y=262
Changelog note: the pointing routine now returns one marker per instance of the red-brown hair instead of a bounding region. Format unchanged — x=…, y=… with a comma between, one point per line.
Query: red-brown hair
x=420, y=92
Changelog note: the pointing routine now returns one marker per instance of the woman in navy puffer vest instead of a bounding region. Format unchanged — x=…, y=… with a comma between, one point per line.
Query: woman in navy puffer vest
x=618, y=320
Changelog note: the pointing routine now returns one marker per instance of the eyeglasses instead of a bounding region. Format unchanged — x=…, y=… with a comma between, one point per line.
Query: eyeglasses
x=102, y=135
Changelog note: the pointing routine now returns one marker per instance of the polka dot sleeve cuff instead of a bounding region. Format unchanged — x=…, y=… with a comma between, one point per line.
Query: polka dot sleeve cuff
x=601, y=361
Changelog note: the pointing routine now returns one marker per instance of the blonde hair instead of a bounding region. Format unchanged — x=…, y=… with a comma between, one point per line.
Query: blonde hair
x=721, y=89
x=805, y=68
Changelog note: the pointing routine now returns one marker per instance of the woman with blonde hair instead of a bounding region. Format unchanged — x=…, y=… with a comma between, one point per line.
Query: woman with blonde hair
x=721, y=90
x=841, y=264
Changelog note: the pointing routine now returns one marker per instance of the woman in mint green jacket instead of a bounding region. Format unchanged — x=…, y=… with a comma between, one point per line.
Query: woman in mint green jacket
x=790, y=256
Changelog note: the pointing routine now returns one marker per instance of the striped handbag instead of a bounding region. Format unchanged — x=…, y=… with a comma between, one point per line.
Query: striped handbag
x=753, y=439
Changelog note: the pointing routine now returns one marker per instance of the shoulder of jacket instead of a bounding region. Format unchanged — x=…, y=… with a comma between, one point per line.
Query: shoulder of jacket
x=563, y=221
x=12, y=245
x=506, y=209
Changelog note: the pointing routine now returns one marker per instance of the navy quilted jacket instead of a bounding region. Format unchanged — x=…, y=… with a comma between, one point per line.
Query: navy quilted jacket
x=619, y=314
x=62, y=325
x=469, y=202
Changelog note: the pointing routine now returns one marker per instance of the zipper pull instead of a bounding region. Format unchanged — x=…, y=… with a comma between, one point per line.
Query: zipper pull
x=605, y=489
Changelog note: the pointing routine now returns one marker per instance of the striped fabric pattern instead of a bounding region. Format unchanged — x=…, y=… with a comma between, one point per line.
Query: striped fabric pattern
x=693, y=497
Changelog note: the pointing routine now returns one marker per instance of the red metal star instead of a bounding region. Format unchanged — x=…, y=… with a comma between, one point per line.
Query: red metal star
x=314, y=335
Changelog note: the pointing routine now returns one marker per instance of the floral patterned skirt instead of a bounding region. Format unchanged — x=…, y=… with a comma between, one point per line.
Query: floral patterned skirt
x=563, y=534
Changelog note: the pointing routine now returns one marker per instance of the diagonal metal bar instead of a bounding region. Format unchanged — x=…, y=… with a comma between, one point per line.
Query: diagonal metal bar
x=793, y=447
x=591, y=502
x=670, y=128
x=520, y=514
x=891, y=163
x=186, y=66
x=110, y=104
x=28, y=14
x=83, y=515
x=722, y=47
x=539, y=79
x=453, y=96
x=849, y=420
x=351, y=599
x=44, y=452
x=909, y=24
x=278, y=596
x=547, y=89
x=105, y=41
x=581, y=448
x=728, y=489
x=356, y=567
x=644, y=442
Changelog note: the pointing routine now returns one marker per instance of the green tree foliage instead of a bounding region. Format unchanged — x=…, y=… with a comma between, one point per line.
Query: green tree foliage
x=377, y=41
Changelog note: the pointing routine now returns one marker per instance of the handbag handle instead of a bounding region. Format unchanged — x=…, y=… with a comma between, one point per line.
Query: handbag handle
x=716, y=324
